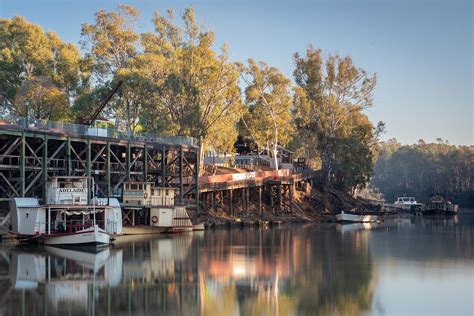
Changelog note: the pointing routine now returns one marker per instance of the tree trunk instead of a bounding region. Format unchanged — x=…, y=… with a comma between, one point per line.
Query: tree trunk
x=275, y=156
x=326, y=166
x=201, y=156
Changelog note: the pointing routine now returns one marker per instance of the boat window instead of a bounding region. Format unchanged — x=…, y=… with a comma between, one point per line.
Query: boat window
x=77, y=199
x=133, y=186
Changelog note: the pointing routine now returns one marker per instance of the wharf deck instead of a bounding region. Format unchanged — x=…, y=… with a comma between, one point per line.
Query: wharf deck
x=252, y=179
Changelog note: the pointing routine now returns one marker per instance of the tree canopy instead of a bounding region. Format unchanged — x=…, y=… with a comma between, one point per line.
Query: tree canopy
x=424, y=169
x=268, y=100
x=175, y=82
x=39, y=68
x=329, y=101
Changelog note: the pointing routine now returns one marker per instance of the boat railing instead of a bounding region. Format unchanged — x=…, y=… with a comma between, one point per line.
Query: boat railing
x=73, y=225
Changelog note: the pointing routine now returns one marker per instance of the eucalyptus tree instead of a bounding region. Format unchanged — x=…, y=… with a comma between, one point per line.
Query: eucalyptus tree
x=39, y=68
x=269, y=102
x=424, y=169
x=199, y=96
x=328, y=92
x=112, y=44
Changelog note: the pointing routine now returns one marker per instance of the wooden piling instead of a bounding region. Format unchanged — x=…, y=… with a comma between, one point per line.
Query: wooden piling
x=231, y=209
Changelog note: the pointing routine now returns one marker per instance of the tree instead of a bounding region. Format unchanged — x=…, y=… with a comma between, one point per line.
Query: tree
x=269, y=103
x=200, y=96
x=37, y=67
x=328, y=92
x=112, y=41
x=46, y=101
x=112, y=45
x=424, y=169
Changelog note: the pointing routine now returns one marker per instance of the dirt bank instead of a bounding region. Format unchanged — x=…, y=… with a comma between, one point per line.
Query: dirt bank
x=312, y=205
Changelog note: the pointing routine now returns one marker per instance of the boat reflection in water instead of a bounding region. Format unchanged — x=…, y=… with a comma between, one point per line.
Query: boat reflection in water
x=226, y=272
x=66, y=279
x=291, y=270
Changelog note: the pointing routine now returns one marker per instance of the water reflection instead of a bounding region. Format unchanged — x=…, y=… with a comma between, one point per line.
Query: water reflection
x=295, y=270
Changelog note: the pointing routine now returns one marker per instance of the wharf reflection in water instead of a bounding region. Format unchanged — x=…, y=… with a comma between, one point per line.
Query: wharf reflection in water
x=223, y=272
x=313, y=269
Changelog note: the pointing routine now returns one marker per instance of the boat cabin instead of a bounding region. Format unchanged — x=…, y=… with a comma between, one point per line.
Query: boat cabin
x=146, y=194
x=405, y=200
x=68, y=209
x=438, y=199
x=68, y=191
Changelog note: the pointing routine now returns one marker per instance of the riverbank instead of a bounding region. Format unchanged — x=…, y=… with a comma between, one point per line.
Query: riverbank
x=312, y=205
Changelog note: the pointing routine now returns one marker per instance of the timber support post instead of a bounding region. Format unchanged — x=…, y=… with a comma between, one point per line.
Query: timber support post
x=213, y=197
x=247, y=199
x=244, y=202
x=196, y=179
x=231, y=209
x=88, y=158
x=145, y=163
x=45, y=168
x=292, y=190
x=129, y=153
x=22, y=165
x=181, y=187
x=68, y=157
x=108, y=170
x=280, y=197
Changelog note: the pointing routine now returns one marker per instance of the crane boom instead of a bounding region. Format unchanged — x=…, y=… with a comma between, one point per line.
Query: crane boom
x=88, y=121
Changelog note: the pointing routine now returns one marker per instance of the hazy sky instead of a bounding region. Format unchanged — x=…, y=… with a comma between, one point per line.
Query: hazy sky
x=421, y=50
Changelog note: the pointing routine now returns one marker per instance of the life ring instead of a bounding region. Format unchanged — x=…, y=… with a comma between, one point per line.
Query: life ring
x=154, y=219
x=145, y=195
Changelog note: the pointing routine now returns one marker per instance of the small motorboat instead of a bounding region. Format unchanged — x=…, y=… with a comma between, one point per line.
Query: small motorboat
x=408, y=204
x=357, y=217
x=88, y=236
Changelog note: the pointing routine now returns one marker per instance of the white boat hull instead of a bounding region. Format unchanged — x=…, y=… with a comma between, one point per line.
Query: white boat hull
x=143, y=230
x=345, y=217
x=199, y=226
x=182, y=229
x=88, y=236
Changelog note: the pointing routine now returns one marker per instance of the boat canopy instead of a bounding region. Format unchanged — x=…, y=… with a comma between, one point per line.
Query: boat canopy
x=81, y=212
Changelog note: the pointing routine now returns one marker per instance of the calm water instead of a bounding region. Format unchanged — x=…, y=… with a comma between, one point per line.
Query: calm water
x=397, y=268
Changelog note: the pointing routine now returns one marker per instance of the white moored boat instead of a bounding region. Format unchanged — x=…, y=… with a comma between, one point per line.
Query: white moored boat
x=148, y=209
x=89, y=236
x=358, y=218
x=407, y=203
x=69, y=217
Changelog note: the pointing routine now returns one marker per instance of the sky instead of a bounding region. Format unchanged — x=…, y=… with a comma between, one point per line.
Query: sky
x=421, y=50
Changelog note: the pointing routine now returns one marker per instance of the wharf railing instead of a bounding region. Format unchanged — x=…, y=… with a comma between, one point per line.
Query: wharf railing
x=85, y=130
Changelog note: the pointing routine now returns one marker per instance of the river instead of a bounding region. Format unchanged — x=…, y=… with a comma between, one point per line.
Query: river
x=402, y=267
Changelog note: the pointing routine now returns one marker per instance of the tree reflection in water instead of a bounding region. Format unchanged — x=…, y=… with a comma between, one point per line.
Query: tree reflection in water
x=293, y=270
x=315, y=269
